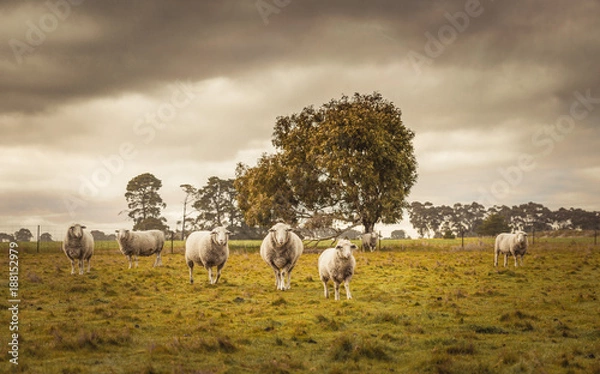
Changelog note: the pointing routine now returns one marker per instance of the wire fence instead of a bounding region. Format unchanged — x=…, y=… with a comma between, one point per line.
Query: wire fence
x=48, y=239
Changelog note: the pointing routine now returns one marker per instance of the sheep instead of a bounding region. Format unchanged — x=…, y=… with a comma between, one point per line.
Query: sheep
x=338, y=264
x=369, y=241
x=209, y=249
x=141, y=243
x=281, y=249
x=78, y=245
x=510, y=244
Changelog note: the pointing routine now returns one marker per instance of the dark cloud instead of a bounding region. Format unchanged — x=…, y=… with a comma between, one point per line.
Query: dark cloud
x=500, y=73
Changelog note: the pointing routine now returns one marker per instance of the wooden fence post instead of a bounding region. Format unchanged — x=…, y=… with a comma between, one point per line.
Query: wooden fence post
x=38, y=239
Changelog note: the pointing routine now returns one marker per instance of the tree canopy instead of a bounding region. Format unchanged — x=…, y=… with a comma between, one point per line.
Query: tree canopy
x=144, y=203
x=350, y=160
x=23, y=235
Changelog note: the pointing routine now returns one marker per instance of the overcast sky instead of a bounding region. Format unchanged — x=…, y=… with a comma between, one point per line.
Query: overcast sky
x=504, y=97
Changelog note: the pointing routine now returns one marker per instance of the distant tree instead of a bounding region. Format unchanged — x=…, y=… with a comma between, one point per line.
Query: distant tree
x=562, y=219
x=98, y=235
x=4, y=237
x=152, y=223
x=46, y=237
x=351, y=159
x=23, y=235
x=145, y=203
x=186, y=225
x=398, y=234
x=217, y=205
x=351, y=234
x=493, y=225
x=531, y=216
x=426, y=218
x=583, y=220
x=467, y=218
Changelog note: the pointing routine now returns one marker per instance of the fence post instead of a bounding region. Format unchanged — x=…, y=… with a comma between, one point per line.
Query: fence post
x=462, y=238
x=38, y=240
x=379, y=241
x=172, y=235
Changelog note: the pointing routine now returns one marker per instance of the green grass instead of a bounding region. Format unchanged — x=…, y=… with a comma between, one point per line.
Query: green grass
x=421, y=306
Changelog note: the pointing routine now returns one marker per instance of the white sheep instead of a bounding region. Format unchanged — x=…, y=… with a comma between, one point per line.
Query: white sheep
x=369, y=241
x=281, y=249
x=208, y=249
x=78, y=245
x=141, y=243
x=338, y=264
x=510, y=244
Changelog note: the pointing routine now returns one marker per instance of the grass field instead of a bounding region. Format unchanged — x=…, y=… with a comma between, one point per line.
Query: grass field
x=421, y=306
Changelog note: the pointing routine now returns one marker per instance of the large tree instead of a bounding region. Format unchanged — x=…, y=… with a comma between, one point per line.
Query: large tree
x=144, y=203
x=351, y=159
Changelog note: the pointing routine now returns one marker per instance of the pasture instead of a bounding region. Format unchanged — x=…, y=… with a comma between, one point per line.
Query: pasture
x=420, y=306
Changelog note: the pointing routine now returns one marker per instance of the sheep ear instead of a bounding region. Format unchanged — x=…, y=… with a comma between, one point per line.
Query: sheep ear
x=228, y=232
x=116, y=231
x=83, y=227
x=353, y=247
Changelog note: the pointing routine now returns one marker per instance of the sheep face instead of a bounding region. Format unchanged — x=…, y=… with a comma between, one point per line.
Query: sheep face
x=280, y=233
x=76, y=231
x=220, y=235
x=344, y=248
x=122, y=234
x=521, y=238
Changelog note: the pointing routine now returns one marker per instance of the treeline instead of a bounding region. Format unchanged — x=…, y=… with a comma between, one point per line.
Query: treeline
x=25, y=235
x=474, y=219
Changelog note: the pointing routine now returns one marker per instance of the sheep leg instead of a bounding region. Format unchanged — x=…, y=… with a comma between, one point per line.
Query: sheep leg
x=72, y=266
x=347, y=287
x=190, y=265
x=130, y=261
x=158, y=261
x=287, y=273
x=496, y=258
x=336, y=285
x=277, y=278
x=137, y=262
x=515, y=256
x=89, y=265
x=219, y=268
x=326, y=289
x=80, y=266
x=210, y=277
x=505, y=259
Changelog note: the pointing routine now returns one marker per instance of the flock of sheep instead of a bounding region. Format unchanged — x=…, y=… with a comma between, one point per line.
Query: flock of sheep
x=280, y=249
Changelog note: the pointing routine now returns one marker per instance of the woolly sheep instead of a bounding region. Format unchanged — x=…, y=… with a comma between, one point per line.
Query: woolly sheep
x=281, y=249
x=369, y=241
x=338, y=265
x=141, y=243
x=510, y=244
x=208, y=249
x=78, y=245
